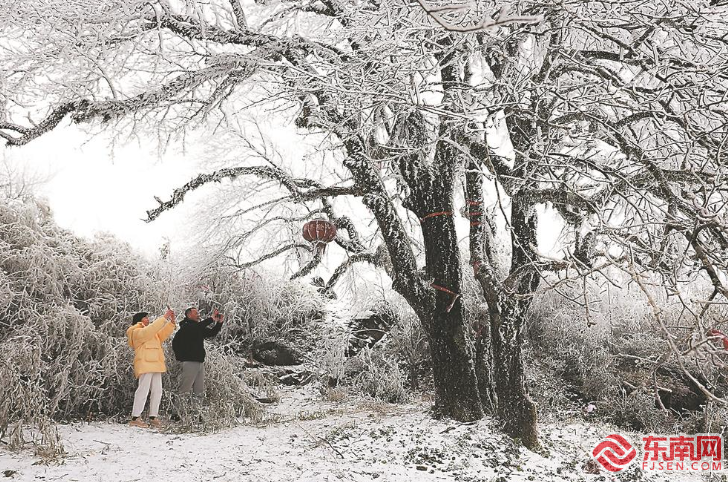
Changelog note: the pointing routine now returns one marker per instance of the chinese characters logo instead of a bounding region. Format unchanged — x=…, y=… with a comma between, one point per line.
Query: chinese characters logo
x=683, y=452
x=700, y=452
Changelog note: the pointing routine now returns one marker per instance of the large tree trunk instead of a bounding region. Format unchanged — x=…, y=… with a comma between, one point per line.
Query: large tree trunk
x=456, y=384
x=453, y=369
x=507, y=316
x=507, y=312
x=515, y=409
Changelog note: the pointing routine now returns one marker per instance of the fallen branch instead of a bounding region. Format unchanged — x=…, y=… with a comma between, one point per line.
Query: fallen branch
x=317, y=439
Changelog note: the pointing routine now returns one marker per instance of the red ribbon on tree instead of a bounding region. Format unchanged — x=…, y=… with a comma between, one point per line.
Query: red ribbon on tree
x=474, y=213
x=723, y=337
x=455, y=296
x=439, y=213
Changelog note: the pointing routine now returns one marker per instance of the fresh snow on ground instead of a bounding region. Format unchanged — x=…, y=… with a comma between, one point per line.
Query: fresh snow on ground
x=315, y=441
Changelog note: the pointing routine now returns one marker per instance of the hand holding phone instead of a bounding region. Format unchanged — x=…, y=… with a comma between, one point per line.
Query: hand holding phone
x=217, y=316
x=169, y=314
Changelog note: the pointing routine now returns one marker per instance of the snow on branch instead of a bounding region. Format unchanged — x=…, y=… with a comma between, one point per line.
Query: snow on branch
x=295, y=186
x=27, y=134
x=239, y=14
x=343, y=267
x=106, y=110
x=275, y=253
x=308, y=267
x=276, y=47
x=469, y=17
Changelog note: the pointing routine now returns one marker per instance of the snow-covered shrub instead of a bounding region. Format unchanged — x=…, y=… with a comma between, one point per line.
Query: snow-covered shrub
x=578, y=354
x=407, y=344
x=381, y=378
x=617, y=357
x=331, y=360
x=637, y=411
x=113, y=282
x=66, y=304
x=373, y=372
x=226, y=401
x=256, y=309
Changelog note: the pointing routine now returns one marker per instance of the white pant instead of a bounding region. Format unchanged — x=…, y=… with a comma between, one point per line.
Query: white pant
x=147, y=381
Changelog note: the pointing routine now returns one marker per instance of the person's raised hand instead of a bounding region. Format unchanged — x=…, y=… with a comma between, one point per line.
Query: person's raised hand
x=217, y=316
x=169, y=315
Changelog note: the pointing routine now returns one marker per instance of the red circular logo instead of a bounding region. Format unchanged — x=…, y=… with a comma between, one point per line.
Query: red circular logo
x=614, y=453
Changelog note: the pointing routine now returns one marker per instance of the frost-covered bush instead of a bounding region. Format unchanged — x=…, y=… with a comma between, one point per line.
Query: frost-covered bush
x=577, y=354
x=407, y=345
x=65, y=306
x=331, y=359
x=256, y=309
x=113, y=281
x=637, y=411
x=65, y=303
x=586, y=349
x=375, y=372
x=617, y=356
x=380, y=377
x=227, y=397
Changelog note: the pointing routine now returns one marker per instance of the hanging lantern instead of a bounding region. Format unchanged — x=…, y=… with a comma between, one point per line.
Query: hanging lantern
x=319, y=232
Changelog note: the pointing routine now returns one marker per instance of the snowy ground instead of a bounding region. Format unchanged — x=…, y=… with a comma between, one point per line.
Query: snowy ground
x=351, y=440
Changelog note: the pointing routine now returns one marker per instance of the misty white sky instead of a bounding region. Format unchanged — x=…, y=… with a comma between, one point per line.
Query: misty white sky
x=94, y=187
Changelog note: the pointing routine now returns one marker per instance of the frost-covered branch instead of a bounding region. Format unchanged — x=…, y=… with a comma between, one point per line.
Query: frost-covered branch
x=272, y=254
x=343, y=267
x=308, y=267
x=467, y=17
x=295, y=186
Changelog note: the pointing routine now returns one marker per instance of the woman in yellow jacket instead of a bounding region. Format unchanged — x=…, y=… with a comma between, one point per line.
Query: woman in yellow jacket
x=147, y=339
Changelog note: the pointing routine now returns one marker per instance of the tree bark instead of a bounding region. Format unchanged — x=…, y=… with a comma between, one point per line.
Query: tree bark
x=484, y=366
x=507, y=315
x=515, y=409
x=500, y=371
x=456, y=384
x=456, y=393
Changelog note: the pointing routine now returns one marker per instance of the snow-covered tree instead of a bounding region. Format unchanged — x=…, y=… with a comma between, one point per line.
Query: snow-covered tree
x=611, y=113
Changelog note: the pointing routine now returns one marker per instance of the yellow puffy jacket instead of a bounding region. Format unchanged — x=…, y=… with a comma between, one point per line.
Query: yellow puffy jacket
x=147, y=344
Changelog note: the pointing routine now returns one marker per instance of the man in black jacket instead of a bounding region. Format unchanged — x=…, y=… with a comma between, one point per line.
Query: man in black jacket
x=189, y=348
